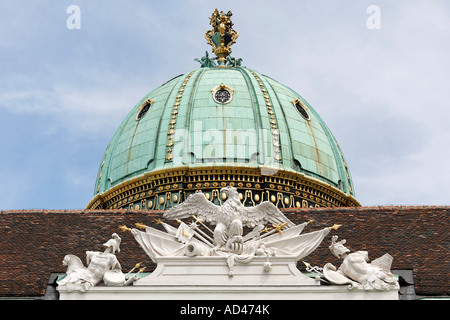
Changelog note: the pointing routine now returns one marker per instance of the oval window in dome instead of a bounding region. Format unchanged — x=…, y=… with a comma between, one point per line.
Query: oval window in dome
x=144, y=108
x=222, y=94
x=301, y=108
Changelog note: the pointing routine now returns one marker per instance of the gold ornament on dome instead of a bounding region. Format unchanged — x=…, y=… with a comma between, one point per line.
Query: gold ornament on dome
x=222, y=36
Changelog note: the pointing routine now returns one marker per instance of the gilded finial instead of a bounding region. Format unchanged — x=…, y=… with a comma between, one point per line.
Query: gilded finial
x=266, y=230
x=222, y=36
x=279, y=227
x=142, y=269
x=335, y=227
x=124, y=228
x=140, y=226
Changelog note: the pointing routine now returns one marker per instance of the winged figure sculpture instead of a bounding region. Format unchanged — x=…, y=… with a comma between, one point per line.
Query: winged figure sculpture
x=230, y=217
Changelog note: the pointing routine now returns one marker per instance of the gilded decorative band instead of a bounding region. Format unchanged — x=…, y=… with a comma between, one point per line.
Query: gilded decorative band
x=163, y=189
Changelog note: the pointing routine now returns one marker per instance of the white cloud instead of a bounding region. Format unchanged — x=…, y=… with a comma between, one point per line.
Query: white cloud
x=96, y=110
x=384, y=93
x=420, y=179
x=81, y=111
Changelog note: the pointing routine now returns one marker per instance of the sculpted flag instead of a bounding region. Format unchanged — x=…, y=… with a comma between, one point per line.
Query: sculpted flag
x=299, y=246
x=184, y=233
x=157, y=243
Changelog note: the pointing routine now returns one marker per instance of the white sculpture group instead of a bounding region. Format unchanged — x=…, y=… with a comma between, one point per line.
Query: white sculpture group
x=102, y=267
x=356, y=271
x=227, y=240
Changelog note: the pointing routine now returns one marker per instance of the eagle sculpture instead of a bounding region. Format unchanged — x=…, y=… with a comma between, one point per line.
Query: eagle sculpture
x=229, y=218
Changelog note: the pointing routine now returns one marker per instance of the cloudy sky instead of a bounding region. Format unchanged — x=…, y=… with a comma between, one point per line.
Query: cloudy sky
x=378, y=77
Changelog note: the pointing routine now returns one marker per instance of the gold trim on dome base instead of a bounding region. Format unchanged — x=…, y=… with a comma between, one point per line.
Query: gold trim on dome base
x=163, y=189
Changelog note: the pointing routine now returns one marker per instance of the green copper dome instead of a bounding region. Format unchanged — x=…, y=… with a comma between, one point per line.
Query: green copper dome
x=223, y=117
x=219, y=125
